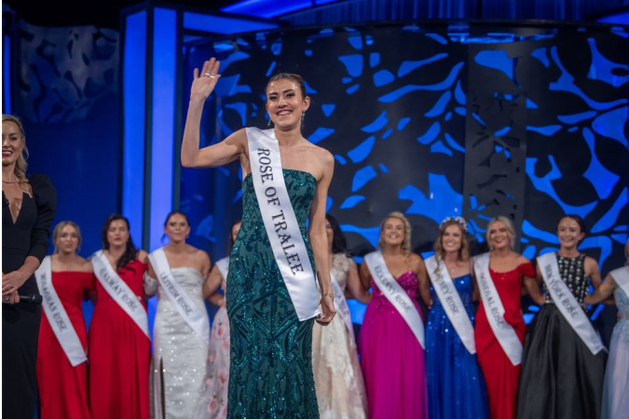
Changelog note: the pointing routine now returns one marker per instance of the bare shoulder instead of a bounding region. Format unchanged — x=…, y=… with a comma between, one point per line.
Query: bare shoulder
x=591, y=264
x=85, y=265
x=522, y=260
x=201, y=255
x=238, y=136
x=142, y=256
x=416, y=260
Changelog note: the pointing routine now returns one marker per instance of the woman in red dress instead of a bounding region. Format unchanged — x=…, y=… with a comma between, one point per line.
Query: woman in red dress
x=508, y=270
x=62, y=387
x=119, y=355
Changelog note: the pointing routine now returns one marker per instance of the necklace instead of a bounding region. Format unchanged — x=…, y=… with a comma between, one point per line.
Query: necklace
x=11, y=181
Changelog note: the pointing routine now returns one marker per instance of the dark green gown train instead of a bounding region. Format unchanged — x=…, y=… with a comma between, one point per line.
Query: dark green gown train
x=270, y=373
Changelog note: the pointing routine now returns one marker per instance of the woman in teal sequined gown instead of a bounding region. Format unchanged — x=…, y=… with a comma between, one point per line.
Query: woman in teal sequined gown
x=270, y=361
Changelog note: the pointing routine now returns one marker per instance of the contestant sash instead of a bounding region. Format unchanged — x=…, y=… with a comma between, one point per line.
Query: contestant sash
x=281, y=224
x=57, y=315
x=396, y=295
x=191, y=313
x=223, y=267
x=120, y=292
x=341, y=305
x=451, y=302
x=495, y=311
x=621, y=277
x=566, y=303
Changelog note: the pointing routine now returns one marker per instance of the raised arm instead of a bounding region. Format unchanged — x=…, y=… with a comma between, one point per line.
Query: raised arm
x=355, y=287
x=215, y=155
x=319, y=238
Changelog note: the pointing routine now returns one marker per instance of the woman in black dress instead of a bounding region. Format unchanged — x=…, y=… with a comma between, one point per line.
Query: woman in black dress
x=28, y=209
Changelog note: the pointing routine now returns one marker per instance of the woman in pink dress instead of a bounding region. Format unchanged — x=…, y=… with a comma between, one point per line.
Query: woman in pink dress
x=392, y=358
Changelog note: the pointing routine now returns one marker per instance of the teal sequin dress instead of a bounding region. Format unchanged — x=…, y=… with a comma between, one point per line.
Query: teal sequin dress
x=270, y=374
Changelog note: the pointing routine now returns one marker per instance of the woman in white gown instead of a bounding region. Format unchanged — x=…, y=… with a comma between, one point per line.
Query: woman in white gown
x=178, y=372
x=218, y=357
x=338, y=377
x=616, y=385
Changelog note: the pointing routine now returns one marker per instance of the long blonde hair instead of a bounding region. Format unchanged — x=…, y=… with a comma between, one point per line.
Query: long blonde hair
x=406, y=244
x=510, y=230
x=20, y=165
x=464, y=251
x=57, y=232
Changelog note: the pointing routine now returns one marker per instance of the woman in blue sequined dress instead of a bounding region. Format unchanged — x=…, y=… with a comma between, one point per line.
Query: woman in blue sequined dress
x=270, y=372
x=456, y=388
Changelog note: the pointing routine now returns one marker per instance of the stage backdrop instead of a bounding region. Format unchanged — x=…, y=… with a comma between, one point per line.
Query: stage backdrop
x=527, y=120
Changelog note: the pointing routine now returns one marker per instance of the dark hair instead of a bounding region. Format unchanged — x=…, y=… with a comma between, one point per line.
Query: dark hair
x=292, y=77
x=176, y=212
x=230, y=239
x=339, y=244
x=130, y=252
x=579, y=221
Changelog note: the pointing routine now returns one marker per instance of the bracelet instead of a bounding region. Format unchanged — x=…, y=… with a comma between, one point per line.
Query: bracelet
x=330, y=294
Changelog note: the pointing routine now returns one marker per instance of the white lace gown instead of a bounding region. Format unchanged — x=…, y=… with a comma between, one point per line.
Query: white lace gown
x=616, y=387
x=338, y=377
x=178, y=373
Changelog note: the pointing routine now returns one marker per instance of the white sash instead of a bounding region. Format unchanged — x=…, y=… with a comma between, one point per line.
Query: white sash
x=193, y=315
x=281, y=224
x=451, y=302
x=566, y=303
x=223, y=267
x=57, y=315
x=395, y=294
x=341, y=305
x=621, y=277
x=119, y=291
x=495, y=311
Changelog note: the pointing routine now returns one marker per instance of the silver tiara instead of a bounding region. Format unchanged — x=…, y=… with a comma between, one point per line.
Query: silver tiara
x=459, y=220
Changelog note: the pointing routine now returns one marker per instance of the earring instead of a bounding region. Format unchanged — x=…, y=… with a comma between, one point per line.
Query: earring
x=303, y=116
x=268, y=123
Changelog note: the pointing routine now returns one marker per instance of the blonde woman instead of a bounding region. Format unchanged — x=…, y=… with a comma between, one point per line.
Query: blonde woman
x=456, y=388
x=28, y=208
x=391, y=338
x=500, y=275
x=61, y=367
